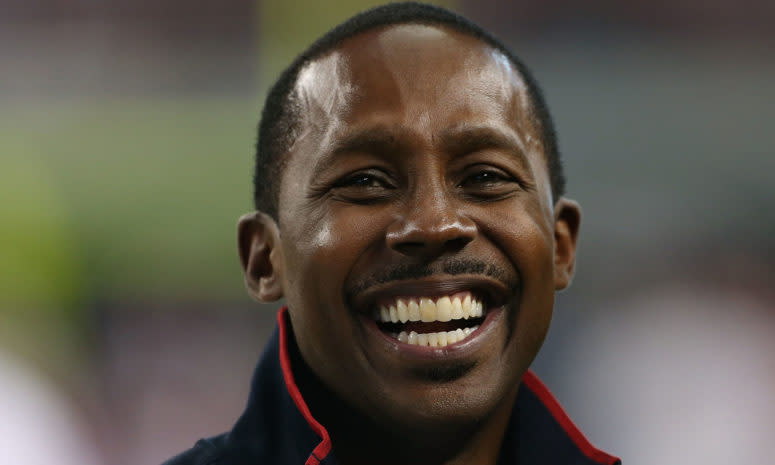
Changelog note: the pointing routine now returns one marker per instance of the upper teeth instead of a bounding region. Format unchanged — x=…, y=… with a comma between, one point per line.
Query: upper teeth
x=427, y=310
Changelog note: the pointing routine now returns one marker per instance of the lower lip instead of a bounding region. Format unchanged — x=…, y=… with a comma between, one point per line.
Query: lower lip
x=459, y=349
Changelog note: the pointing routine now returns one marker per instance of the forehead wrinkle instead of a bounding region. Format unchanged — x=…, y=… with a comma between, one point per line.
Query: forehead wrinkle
x=413, y=56
x=494, y=76
x=324, y=88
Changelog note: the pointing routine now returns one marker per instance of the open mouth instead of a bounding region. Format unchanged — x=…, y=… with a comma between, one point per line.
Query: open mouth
x=431, y=321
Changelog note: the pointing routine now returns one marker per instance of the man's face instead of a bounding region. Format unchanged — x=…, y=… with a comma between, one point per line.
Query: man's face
x=417, y=178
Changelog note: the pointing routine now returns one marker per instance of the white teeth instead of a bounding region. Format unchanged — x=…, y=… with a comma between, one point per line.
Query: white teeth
x=444, y=309
x=457, y=309
x=384, y=314
x=466, y=304
x=426, y=310
x=403, y=312
x=476, y=310
x=414, y=311
x=439, y=339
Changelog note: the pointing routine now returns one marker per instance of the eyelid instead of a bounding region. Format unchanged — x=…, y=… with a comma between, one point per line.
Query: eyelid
x=379, y=175
x=506, y=175
x=480, y=168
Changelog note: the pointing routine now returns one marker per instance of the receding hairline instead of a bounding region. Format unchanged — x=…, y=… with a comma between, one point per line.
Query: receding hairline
x=495, y=51
x=491, y=56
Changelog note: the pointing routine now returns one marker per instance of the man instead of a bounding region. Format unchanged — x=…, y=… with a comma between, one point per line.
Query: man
x=410, y=210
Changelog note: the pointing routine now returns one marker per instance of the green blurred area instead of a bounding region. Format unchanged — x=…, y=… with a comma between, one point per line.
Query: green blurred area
x=118, y=199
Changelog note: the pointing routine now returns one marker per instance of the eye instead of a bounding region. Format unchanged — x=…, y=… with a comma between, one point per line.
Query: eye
x=487, y=177
x=363, y=187
x=360, y=180
x=364, y=180
x=487, y=182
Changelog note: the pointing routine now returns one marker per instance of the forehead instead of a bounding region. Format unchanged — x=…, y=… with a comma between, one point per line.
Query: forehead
x=415, y=76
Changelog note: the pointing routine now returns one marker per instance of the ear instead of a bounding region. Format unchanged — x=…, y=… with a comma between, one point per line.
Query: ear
x=567, y=219
x=258, y=240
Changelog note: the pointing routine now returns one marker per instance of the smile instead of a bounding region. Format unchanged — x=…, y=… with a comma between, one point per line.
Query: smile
x=431, y=321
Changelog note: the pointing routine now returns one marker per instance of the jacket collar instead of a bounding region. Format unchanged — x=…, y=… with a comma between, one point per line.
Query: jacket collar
x=278, y=427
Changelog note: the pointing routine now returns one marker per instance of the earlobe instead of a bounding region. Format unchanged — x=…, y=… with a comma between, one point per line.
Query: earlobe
x=567, y=219
x=258, y=242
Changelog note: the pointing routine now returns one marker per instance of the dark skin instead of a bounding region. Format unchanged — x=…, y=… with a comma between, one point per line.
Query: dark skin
x=417, y=151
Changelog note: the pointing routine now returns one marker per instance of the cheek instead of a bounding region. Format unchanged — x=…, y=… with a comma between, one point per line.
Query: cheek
x=537, y=298
x=524, y=234
x=314, y=282
x=523, y=231
x=323, y=248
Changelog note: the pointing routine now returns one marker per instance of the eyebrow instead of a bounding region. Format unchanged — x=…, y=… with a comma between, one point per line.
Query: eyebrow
x=458, y=140
x=379, y=140
x=466, y=138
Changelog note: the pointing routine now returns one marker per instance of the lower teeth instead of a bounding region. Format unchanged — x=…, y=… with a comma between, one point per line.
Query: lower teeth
x=439, y=339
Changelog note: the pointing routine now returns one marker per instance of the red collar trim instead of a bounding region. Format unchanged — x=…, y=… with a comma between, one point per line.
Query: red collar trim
x=531, y=381
x=324, y=447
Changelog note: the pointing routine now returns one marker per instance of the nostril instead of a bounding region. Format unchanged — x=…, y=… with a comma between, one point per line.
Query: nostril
x=457, y=243
x=430, y=247
x=410, y=248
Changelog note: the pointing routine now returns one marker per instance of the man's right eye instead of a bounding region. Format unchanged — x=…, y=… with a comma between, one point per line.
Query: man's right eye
x=363, y=180
x=360, y=180
x=363, y=188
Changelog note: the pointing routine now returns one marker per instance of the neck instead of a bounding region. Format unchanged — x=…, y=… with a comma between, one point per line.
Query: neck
x=359, y=439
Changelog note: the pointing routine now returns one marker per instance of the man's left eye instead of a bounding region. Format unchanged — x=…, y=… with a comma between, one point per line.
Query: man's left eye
x=486, y=178
x=365, y=181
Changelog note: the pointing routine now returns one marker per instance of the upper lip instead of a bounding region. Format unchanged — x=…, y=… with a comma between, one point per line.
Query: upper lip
x=495, y=293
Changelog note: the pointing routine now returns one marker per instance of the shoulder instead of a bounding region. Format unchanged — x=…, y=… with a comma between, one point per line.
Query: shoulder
x=205, y=452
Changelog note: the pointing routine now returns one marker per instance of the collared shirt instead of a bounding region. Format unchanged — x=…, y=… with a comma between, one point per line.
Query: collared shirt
x=277, y=427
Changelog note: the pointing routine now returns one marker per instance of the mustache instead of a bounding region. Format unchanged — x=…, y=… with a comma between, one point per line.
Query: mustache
x=450, y=267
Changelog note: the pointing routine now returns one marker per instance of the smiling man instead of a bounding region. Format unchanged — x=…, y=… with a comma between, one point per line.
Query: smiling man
x=410, y=210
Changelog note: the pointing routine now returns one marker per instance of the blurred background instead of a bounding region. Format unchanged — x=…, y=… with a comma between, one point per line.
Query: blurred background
x=126, y=141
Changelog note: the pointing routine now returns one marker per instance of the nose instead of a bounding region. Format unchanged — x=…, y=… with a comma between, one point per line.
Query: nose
x=430, y=226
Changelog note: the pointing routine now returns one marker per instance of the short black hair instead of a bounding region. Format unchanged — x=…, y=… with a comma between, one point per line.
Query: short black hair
x=280, y=118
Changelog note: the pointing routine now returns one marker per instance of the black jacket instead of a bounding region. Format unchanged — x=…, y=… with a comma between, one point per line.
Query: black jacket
x=277, y=427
